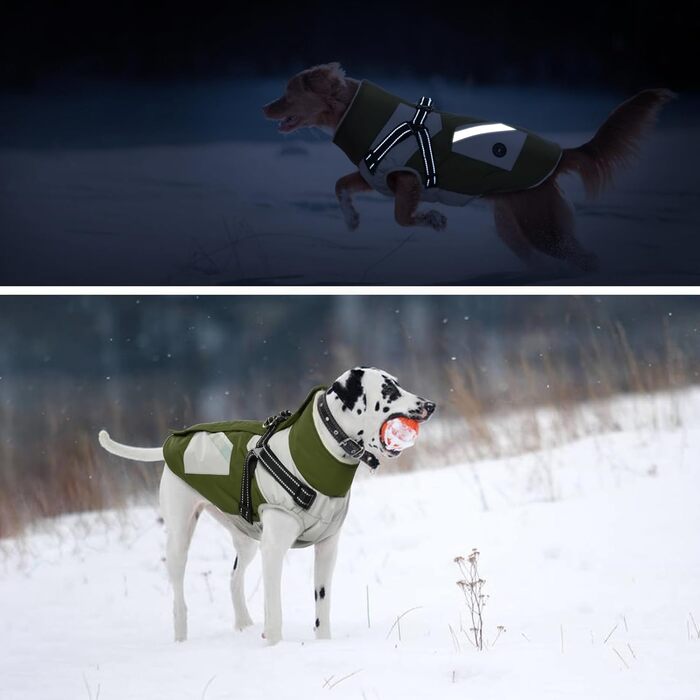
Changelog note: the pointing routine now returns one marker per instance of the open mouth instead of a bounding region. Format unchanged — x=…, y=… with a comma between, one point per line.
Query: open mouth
x=394, y=443
x=289, y=124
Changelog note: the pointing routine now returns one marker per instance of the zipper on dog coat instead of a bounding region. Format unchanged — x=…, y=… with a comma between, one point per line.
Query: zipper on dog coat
x=210, y=457
x=455, y=157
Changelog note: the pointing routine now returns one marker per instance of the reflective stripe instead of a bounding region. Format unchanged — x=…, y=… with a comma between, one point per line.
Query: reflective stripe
x=470, y=131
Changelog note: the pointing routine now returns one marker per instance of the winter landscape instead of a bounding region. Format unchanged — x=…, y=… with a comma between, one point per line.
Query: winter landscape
x=588, y=551
x=189, y=184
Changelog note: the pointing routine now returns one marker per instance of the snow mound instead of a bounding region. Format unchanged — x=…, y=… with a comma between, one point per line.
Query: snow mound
x=595, y=582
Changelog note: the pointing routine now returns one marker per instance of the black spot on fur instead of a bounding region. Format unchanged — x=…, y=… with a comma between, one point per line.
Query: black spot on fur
x=235, y=563
x=322, y=592
x=359, y=411
x=386, y=409
x=351, y=392
x=390, y=390
x=376, y=406
x=360, y=432
x=318, y=624
x=315, y=594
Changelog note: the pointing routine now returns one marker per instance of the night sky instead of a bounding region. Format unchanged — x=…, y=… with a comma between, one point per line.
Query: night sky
x=625, y=44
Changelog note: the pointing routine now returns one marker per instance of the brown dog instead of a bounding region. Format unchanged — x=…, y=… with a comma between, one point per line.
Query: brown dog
x=539, y=217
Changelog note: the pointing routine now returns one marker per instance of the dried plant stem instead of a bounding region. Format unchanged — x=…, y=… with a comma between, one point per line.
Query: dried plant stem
x=369, y=623
x=344, y=678
x=206, y=687
x=471, y=586
x=610, y=634
x=398, y=621
x=620, y=657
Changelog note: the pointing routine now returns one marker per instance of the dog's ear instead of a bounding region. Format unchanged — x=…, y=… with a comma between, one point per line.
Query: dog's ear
x=351, y=391
x=326, y=79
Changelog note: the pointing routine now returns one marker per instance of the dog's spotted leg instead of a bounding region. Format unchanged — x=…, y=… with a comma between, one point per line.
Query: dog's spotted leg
x=344, y=189
x=245, y=551
x=407, y=192
x=324, y=562
x=279, y=531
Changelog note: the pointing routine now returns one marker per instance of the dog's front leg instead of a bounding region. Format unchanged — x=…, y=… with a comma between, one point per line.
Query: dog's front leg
x=407, y=191
x=344, y=189
x=245, y=551
x=279, y=531
x=324, y=562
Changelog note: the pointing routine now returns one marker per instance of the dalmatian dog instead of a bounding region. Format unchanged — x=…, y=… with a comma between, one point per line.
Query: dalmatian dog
x=361, y=401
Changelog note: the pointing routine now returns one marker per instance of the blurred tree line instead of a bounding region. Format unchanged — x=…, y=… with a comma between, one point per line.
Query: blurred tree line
x=273, y=347
x=140, y=366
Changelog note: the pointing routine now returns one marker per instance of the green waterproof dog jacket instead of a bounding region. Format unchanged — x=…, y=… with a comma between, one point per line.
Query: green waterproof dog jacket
x=471, y=156
x=210, y=456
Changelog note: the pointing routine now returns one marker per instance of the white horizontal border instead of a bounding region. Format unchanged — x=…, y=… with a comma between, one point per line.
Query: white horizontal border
x=398, y=290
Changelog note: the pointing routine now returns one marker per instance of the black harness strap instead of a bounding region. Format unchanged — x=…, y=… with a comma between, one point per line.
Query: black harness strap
x=303, y=495
x=351, y=447
x=416, y=128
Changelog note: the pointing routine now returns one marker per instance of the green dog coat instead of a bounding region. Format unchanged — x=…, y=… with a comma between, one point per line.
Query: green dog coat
x=472, y=157
x=209, y=457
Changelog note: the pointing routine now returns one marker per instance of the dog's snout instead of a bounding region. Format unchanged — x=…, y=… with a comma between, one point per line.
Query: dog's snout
x=429, y=407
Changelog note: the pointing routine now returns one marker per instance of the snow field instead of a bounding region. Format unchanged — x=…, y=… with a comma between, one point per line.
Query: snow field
x=595, y=589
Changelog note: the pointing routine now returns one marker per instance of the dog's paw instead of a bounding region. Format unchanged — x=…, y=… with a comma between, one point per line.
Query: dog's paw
x=272, y=638
x=243, y=622
x=352, y=219
x=436, y=220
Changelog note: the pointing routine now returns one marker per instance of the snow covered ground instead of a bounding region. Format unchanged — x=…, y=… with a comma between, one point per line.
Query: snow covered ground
x=595, y=587
x=193, y=186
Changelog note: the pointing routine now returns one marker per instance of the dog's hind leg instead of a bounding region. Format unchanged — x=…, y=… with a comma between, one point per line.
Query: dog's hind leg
x=279, y=531
x=546, y=219
x=246, y=547
x=344, y=190
x=407, y=191
x=180, y=507
x=509, y=231
x=324, y=562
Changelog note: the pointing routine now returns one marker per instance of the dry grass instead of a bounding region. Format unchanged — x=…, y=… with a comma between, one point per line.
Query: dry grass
x=534, y=398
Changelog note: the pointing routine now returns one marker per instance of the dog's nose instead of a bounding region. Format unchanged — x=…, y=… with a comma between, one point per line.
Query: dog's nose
x=429, y=407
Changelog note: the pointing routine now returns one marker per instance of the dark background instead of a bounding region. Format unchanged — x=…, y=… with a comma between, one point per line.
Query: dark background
x=90, y=92
x=622, y=44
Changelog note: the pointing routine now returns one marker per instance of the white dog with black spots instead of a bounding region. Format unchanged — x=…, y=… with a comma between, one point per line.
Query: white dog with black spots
x=361, y=401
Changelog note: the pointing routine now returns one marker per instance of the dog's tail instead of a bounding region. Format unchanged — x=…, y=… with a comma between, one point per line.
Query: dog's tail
x=141, y=454
x=616, y=142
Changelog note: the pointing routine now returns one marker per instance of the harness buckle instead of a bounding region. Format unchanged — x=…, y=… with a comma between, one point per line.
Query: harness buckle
x=352, y=448
x=277, y=418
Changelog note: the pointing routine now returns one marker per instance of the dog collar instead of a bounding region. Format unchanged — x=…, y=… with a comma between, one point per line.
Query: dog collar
x=352, y=448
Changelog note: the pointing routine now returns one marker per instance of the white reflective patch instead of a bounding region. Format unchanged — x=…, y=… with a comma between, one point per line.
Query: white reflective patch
x=208, y=453
x=499, y=149
x=470, y=131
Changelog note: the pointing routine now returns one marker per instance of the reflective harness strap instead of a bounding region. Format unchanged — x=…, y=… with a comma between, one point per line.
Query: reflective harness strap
x=303, y=495
x=416, y=128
